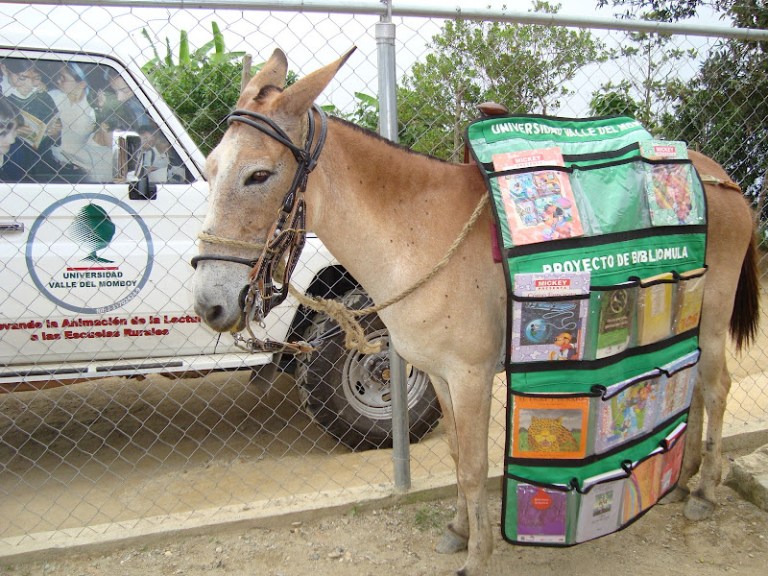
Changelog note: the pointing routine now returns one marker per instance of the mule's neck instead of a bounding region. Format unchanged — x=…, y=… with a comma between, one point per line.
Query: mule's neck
x=384, y=211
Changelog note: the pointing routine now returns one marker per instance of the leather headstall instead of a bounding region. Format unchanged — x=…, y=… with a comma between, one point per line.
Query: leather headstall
x=287, y=236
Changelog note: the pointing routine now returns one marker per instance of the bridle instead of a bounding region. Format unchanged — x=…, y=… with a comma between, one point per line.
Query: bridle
x=285, y=239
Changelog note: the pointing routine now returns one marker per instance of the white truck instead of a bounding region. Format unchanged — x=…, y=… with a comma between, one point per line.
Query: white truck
x=95, y=249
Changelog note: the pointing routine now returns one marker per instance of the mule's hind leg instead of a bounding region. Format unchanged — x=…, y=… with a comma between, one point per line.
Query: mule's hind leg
x=692, y=458
x=702, y=502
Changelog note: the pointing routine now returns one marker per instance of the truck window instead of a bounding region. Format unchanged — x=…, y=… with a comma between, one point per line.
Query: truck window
x=64, y=121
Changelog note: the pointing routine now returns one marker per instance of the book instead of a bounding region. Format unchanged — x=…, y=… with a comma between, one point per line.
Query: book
x=654, y=308
x=546, y=325
x=600, y=506
x=671, y=463
x=34, y=129
x=627, y=414
x=550, y=427
x=542, y=514
x=689, y=297
x=677, y=386
x=669, y=187
x=616, y=313
x=539, y=204
x=641, y=489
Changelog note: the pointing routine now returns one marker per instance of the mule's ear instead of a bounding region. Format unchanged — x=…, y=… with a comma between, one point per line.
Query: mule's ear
x=272, y=73
x=298, y=97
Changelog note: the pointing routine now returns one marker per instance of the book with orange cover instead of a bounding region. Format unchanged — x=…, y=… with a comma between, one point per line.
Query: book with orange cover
x=539, y=203
x=641, y=489
x=550, y=427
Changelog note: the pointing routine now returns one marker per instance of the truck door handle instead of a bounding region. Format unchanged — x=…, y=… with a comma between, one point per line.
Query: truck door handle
x=11, y=227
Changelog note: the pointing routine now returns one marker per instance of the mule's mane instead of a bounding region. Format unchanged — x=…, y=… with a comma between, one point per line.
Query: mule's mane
x=376, y=136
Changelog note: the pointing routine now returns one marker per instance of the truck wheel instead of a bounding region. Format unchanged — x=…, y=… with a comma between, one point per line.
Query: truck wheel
x=348, y=393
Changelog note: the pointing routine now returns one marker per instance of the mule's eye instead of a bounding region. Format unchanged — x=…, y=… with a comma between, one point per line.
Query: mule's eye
x=258, y=177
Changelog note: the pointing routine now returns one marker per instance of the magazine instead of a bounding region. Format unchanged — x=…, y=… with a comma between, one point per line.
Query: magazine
x=539, y=204
x=548, y=326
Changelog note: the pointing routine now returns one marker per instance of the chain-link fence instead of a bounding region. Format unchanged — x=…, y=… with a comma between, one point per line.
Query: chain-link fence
x=162, y=424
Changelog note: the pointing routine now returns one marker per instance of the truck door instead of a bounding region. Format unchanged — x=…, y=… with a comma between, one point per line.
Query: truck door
x=99, y=209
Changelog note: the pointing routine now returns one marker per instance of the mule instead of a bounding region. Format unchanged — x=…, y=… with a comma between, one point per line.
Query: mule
x=388, y=215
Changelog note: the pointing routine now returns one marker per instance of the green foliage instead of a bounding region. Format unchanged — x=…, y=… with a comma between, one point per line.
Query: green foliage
x=614, y=103
x=527, y=68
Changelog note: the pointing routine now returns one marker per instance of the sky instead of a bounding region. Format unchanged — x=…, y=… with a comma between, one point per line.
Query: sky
x=310, y=40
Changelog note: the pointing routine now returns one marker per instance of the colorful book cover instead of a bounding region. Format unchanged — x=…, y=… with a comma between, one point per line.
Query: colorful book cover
x=671, y=463
x=641, y=489
x=690, y=295
x=616, y=312
x=542, y=514
x=669, y=187
x=539, y=204
x=549, y=427
x=654, y=308
x=627, y=415
x=600, y=508
x=549, y=327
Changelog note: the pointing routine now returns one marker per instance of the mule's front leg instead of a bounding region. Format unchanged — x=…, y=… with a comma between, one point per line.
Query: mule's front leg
x=456, y=535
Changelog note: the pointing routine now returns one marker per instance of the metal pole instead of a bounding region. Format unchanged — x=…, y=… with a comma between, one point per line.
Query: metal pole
x=398, y=380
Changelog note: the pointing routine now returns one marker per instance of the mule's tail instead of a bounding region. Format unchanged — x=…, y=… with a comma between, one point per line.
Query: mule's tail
x=746, y=307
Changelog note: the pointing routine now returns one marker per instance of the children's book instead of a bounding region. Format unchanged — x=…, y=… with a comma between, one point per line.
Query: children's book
x=550, y=427
x=542, y=514
x=545, y=325
x=616, y=313
x=654, y=309
x=641, y=489
x=627, y=414
x=676, y=392
x=539, y=204
x=671, y=462
x=669, y=187
x=690, y=295
x=600, y=506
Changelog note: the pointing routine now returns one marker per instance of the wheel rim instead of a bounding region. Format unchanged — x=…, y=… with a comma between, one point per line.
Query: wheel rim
x=366, y=381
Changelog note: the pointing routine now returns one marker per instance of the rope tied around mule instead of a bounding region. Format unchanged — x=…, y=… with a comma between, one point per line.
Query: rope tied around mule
x=346, y=318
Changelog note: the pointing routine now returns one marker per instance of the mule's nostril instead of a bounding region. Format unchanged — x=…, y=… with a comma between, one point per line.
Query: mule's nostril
x=212, y=313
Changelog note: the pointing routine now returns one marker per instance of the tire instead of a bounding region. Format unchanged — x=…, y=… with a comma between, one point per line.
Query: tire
x=347, y=393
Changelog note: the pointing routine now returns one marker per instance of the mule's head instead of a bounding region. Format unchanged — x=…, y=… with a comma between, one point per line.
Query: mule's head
x=250, y=173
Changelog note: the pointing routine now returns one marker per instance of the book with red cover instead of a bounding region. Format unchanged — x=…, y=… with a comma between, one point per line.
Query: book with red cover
x=539, y=203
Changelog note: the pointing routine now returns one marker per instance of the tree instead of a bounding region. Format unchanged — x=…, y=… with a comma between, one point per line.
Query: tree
x=722, y=111
x=201, y=86
x=527, y=68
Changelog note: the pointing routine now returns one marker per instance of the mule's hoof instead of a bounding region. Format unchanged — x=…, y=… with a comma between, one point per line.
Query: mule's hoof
x=450, y=543
x=697, y=509
x=679, y=494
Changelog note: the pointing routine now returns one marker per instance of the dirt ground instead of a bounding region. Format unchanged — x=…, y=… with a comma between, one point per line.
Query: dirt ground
x=400, y=540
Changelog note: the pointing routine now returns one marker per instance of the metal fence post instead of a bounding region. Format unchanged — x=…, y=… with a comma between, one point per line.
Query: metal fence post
x=385, y=42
